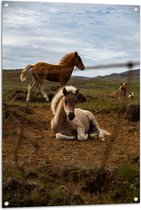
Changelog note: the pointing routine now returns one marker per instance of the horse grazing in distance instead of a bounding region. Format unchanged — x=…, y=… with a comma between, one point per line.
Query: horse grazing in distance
x=70, y=122
x=121, y=93
x=56, y=73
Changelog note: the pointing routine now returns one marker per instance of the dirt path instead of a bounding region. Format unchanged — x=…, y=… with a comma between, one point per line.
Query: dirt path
x=37, y=143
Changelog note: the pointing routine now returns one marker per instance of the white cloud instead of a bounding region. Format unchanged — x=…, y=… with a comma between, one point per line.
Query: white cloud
x=47, y=31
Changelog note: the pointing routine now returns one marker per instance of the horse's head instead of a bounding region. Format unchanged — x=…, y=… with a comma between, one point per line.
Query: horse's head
x=78, y=62
x=69, y=102
x=123, y=89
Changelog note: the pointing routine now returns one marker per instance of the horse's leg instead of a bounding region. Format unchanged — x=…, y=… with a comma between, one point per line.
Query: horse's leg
x=81, y=135
x=30, y=87
x=95, y=126
x=43, y=92
x=62, y=136
x=63, y=82
x=40, y=86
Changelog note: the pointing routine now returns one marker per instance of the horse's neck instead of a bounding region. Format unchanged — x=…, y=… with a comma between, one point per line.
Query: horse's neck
x=69, y=63
x=67, y=69
x=60, y=113
x=123, y=92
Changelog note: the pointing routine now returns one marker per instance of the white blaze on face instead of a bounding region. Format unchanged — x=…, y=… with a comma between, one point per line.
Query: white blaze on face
x=69, y=106
x=69, y=101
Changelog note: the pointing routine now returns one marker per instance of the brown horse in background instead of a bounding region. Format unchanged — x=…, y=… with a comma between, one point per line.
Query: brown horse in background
x=121, y=92
x=56, y=73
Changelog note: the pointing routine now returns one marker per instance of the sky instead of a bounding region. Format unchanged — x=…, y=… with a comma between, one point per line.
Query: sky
x=101, y=34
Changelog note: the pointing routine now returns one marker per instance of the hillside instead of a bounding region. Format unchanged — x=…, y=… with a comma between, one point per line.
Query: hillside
x=135, y=75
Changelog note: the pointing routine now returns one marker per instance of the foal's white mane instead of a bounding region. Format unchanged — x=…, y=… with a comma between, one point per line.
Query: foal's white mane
x=59, y=96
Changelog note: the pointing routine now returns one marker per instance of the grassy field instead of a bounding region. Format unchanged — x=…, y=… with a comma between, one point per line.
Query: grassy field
x=40, y=170
x=99, y=88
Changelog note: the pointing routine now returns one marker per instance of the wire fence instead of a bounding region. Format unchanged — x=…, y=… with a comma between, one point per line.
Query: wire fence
x=128, y=65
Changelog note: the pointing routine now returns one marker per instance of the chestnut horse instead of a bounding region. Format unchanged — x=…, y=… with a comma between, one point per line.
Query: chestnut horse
x=56, y=73
x=121, y=93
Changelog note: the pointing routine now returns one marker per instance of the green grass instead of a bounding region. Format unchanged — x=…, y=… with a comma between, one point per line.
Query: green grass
x=129, y=177
x=98, y=89
x=120, y=185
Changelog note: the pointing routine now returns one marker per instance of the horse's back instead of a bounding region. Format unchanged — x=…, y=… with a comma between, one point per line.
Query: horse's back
x=41, y=68
x=39, y=64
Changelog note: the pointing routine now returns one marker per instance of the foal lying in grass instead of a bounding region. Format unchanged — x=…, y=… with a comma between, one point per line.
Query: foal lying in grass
x=70, y=122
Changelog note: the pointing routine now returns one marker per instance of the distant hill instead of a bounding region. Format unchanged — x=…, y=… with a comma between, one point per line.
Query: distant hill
x=11, y=79
x=134, y=74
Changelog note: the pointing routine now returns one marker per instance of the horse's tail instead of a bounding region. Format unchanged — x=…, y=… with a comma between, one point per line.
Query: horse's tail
x=24, y=72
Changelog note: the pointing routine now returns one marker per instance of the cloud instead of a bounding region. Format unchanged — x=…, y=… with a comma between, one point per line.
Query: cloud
x=35, y=32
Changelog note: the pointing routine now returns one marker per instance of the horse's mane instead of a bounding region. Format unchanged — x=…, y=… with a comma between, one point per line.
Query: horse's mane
x=59, y=96
x=65, y=57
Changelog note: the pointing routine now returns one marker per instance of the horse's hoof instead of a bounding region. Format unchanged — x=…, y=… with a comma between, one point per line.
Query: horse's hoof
x=82, y=138
x=47, y=99
x=102, y=138
x=93, y=135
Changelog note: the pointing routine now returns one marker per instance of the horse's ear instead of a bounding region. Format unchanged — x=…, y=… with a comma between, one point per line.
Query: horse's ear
x=77, y=92
x=126, y=84
x=76, y=53
x=65, y=91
